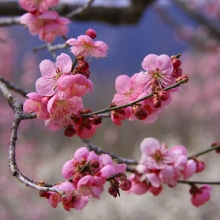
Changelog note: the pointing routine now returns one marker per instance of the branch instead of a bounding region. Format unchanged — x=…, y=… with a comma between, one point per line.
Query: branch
x=111, y=15
x=8, y=21
x=16, y=105
x=198, y=182
x=108, y=109
x=204, y=152
x=99, y=151
x=80, y=10
x=13, y=87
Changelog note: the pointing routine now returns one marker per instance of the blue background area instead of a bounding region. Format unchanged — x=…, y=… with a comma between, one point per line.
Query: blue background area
x=128, y=44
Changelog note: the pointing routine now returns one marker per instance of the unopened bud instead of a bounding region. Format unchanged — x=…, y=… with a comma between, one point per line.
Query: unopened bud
x=139, y=112
x=156, y=102
x=125, y=184
x=91, y=33
x=177, y=73
x=176, y=63
x=183, y=77
x=83, y=66
x=163, y=95
x=69, y=131
x=97, y=119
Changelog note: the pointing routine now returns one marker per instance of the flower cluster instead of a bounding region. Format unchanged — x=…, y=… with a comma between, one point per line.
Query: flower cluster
x=86, y=173
x=39, y=20
x=160, y=72
x=159, y=166
x=58, y=100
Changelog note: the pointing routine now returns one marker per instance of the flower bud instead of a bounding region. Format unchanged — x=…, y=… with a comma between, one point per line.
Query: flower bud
x=125, y=184
x=163, y=95
x=91, y=33
x=156, y=102
x=83, y=66
x=69, y=131
x=183, y=77
x=177, y=73
x=176, y=63
x=97, y=119
x=139, y=112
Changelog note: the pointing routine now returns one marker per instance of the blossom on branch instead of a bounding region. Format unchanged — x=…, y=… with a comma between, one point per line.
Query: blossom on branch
x=86, y=174
x=200, y=195
x=37, y=5
x=86, y=47
x=48, y=25
x=158, y=69
x=159, y=165
x=47, y=84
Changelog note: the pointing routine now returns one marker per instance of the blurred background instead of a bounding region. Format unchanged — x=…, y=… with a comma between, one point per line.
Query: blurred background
x=132, y=30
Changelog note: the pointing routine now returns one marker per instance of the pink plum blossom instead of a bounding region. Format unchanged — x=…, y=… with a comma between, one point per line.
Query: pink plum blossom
x=157, y=68
x=155, y=155
x=48, y=25
x=200, y=195
x=61, y=111
x=37, y=5
x=138, y=187
x=85, y=46
x=73, y=85
x=36, y=103
x=127, y=89
x=87, y=187
x=47, y=84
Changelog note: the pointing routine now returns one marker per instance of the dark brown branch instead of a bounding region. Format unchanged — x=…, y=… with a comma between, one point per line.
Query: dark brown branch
x=19, y=115
x=13, y=87
x=198, y=182
x=99, y=151
x=111, y=15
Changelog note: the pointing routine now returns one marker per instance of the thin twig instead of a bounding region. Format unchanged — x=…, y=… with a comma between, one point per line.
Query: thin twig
x=80, y=10
x=19, y=115
x=108, y=109
x=198, y=182
x=14, y=87
x=99, y=151
x=204, y=152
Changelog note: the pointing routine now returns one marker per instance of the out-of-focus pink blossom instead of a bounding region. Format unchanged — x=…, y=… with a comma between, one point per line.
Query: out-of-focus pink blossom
x=37, y=5
x=85, y=46
x=48, y=25
x=200, y=195
x=47, y=84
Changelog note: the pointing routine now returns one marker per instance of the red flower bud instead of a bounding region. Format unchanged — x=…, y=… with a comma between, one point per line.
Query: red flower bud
x=176, y=63
x=163, y=95
x=91, y=33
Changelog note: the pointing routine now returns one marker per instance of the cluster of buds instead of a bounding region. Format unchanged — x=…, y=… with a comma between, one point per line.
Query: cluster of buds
x=177, y=71
x=117, y=182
